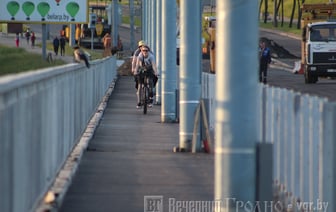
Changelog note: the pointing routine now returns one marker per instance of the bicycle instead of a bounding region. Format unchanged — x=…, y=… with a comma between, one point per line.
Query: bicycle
x=144, y=90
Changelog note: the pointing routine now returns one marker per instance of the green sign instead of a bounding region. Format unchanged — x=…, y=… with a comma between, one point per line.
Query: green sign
x=51, y=11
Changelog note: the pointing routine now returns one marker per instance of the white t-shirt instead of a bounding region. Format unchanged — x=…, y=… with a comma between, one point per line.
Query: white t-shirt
x=148, y=60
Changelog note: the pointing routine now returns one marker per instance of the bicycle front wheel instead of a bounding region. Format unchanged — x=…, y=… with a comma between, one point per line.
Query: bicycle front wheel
x=145, y=94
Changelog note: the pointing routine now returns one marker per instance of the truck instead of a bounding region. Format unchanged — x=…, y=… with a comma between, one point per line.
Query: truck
x=318, y=43
x=97, y=27
x=85, y=38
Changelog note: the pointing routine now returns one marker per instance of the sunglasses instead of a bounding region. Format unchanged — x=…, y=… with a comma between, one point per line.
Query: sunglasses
x=144, y=50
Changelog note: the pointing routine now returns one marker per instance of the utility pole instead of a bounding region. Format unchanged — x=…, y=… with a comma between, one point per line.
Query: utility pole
x=236, y=103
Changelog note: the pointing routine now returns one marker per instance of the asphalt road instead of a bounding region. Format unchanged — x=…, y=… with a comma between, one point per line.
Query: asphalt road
x=291, y=42
x=283, y=78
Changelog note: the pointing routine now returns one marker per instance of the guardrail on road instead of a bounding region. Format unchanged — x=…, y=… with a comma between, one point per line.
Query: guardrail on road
x=43, y=115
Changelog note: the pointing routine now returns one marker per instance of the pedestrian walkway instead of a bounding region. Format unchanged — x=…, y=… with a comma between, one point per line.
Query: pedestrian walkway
x=129, y=163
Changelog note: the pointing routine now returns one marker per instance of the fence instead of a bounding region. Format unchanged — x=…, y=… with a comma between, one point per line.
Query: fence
x=302, y=131
x=301, y=128
x=43, y=114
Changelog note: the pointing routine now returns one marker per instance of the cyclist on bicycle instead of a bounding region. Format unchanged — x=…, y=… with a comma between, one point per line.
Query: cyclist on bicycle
x=145, y=60
x=136, y=53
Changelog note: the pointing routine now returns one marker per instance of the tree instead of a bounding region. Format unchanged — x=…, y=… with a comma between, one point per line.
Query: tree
x=282, y=11
x=275, y=15
x=299, y=14
x=265, y=13
x=292, y=14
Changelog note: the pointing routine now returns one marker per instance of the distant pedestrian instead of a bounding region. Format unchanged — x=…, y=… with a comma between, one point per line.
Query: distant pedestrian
x=27, y=36
x=32, y=39
x=107, y=42
x=264, y=61
x=17, y=40
x=62, y=45
x=56, y=43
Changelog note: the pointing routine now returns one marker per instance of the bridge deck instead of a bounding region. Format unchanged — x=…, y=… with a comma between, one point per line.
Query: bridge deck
x=130, y=157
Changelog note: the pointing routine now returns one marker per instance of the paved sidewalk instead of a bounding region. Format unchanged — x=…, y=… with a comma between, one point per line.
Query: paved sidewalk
x=130, y=157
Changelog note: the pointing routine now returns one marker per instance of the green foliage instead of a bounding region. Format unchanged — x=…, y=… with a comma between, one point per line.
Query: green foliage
x=288, y=4
x=126, y=20
x=284, y=28
x=15, y=60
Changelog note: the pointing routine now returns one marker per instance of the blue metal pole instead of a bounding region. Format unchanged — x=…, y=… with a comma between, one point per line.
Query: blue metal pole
x=146, y=3
x=190, y=69
x=158, y=50
x=143, y=14
x=131, y=8
x=168, y=108
x=44, y=41
x=115, y=23
x=154, y=19
x=150, y=21
x=236, y=129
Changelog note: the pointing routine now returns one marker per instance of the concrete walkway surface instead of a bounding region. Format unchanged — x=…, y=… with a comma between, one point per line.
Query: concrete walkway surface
x=129, y=163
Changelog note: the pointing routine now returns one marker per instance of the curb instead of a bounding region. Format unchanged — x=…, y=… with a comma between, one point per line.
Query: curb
x=290, y=35
x=53, y=198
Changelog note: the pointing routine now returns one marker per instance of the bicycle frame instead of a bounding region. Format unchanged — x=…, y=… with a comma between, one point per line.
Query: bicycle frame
x=144, y=90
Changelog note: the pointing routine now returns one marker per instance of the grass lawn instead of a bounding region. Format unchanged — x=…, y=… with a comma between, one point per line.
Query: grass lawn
x=15, y=60
x=284, y=28
x=69, y=50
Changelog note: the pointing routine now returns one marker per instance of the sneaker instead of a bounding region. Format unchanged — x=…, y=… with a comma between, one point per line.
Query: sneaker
x=150, y=105
x=138, y=106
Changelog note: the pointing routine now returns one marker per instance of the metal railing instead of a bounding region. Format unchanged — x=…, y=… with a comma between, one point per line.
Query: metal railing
x=43, y=115
x=302, y=131
x=301, y=128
